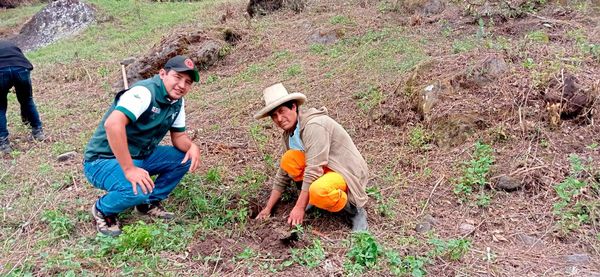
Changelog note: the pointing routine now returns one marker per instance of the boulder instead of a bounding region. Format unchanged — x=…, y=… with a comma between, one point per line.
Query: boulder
x=508, y=183
x=264, y=7
x=198, y=46
x=60, y=19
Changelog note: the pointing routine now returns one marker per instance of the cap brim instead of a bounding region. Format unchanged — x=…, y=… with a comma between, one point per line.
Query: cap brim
x=193, y=73
x=299, y=97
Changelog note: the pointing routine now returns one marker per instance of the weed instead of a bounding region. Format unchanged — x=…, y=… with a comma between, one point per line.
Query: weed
x=341, y=20
x=384, y=208
x=578, y=194
x=317, y=48
x=363, y=253
x=293, y=70
x=213, y=176
x=528, y=63
x=212, y=78
x=592, y=146
x=310, y=256
x=258, y=136
x=368, y=99
x=419, y=138
x=465, y=45
x=61, y=226
x=475, y=174
x=454, y=249
x=538, y=36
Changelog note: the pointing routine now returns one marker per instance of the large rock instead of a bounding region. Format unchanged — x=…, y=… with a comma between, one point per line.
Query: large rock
x=566, y=99
x=199, y=46
x=60, y=19
x=264, y=7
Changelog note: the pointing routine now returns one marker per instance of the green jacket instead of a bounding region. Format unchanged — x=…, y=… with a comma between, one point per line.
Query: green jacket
x=143, y=134
x=327, y=143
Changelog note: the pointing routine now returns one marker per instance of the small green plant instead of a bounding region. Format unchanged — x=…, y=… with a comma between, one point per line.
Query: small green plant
x=384, y=208
x=310, y=256
x=258, y=136
x=368, y=99
x=538, y=36
x=475, y=175
x=363, y=254
x=294, y=70
x=528, y=63
x=61, y=226
x=419, y=138
x=454, y=249
x=592, y=146
x=211, y=79
x=461, y=46
x=213, y=176
x=578, y=194
x=341, y=20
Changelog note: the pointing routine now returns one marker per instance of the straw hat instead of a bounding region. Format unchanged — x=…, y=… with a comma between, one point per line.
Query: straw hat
x=276, y=95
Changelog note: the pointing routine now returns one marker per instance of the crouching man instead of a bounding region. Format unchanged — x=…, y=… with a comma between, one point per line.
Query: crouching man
x=123, y=152
x=320, y=155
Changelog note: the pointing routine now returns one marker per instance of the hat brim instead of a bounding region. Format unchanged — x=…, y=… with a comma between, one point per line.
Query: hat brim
x=192, y=72
x=264, y=112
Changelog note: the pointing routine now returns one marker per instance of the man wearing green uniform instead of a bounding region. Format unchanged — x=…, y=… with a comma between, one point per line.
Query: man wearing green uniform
x=123, y=152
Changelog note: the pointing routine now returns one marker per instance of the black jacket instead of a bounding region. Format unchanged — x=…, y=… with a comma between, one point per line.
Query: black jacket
x=11, y=55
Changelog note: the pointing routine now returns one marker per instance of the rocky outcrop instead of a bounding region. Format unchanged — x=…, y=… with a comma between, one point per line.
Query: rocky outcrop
x=60, y=19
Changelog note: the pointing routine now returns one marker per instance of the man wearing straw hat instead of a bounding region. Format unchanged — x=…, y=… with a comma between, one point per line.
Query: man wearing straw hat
x=320, y=155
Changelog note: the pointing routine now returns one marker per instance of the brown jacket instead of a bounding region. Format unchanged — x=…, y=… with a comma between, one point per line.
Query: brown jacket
x=326, y=143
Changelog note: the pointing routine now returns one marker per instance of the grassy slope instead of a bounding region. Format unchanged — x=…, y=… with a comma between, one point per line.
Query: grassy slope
x=46, y=227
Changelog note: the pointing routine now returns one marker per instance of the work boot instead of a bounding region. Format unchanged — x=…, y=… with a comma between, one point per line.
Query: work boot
x=155, y=209
x=5, y=146
x=106, y=225
x=38, y=134
x=358, y=217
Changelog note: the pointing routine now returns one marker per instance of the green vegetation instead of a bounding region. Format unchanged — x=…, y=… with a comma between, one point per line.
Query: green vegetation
x=475, y=175
x=578, y=194
x=363, y=254
x=369, y=99
x=311, y=256
x=419, y=138
x=61, y=226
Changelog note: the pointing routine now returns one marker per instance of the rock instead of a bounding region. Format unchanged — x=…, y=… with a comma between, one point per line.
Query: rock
x=577, y=258
x=429, y=98
x=487, y=71
x=566, y=99
x=433, y=7
x=508, y=183
x=60, y=19
x=66, y=156
x=528, y=240
x=264, y=7
x=324, y=37
x=466, y=228
x=423, y=227
x=201, y=48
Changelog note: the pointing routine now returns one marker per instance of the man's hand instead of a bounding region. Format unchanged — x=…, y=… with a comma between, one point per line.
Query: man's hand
x=139, y=176
x=264, y=214
x=192, y=154
x=296, y=216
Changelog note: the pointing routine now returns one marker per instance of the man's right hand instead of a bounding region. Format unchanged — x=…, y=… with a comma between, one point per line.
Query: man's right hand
x=264, y=214
x=139, y=176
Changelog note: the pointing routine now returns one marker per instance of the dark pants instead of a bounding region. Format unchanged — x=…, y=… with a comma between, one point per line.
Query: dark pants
x=18, y=77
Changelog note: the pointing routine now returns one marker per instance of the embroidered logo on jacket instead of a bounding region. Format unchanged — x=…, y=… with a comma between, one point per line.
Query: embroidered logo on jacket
x=155, y=109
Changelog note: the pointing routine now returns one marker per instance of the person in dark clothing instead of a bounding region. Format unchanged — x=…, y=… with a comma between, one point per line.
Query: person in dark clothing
x=15, y=71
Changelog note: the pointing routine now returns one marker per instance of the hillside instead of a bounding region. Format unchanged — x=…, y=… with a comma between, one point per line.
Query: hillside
x=478, y=122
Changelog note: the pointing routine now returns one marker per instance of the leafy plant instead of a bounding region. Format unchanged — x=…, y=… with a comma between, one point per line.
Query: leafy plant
x=310, y=256
x=61, y=226
x=475, y=174
x=578, y=194
x=364, y=252
x=419, y=138
x=369, y=99
x=454, y=249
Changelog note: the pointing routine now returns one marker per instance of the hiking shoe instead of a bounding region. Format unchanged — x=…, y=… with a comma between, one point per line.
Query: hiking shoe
x=38, y=134
x=155, y=209
x=5, y=146
x=106, y=225
x=358, y=217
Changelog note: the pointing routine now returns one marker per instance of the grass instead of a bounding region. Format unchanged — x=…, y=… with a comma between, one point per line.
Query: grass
x=133, y=26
